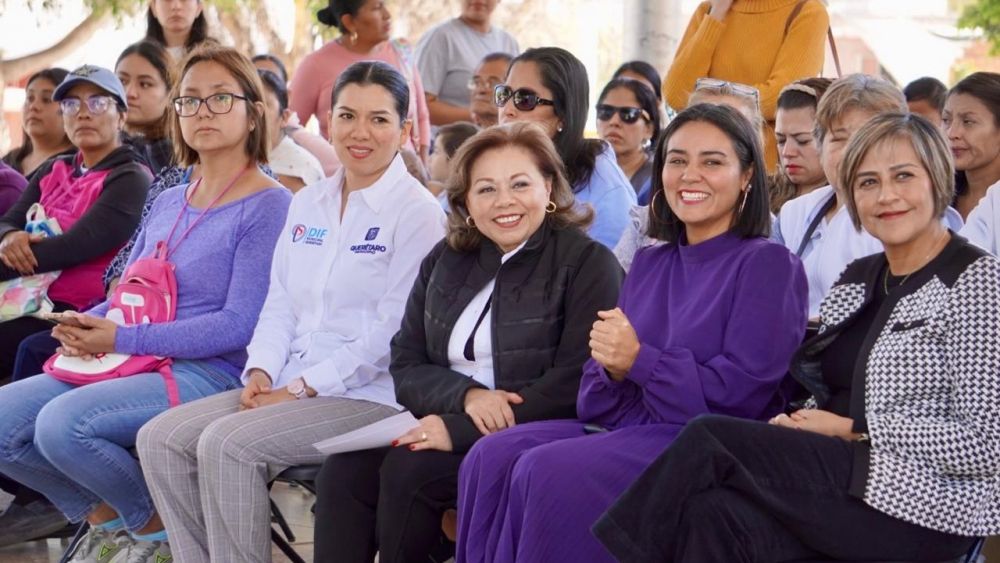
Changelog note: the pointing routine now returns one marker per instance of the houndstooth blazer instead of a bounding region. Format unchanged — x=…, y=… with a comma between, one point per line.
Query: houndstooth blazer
x=931, y=385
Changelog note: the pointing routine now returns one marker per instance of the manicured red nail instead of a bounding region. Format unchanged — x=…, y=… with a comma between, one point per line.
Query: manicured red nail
x=413, y=448
x=395, y=443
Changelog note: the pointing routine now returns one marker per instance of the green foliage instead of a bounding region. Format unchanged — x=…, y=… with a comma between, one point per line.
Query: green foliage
x=985, y=15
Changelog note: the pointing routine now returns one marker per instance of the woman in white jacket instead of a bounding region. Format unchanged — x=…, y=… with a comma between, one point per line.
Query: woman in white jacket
x=983, y=225
x=318, y=362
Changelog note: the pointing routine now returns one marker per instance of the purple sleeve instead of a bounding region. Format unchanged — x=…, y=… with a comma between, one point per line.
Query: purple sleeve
x=230, y=327
x=669, y=385
x=12, y=185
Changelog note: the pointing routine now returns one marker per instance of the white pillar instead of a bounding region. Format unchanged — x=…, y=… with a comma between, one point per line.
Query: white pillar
x=652, y=30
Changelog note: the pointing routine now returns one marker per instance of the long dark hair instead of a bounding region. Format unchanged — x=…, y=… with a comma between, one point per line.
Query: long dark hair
x=985, y=87
x=55, y=75
x=755, y=219
x=156, y=55
x=565, y=76
x=154, y=30
x=646, y=99
x=646, y=70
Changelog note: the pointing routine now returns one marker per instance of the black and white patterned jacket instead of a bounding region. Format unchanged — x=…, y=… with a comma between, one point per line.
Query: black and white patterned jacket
x=930, y=372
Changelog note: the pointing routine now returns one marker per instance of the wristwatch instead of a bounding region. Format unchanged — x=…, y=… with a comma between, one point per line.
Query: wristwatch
x=297, y=388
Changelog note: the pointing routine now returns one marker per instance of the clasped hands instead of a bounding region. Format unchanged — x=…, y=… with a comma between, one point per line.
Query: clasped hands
x=818, y=421
x=96, y=336
x=258, y=392
x=16, y=253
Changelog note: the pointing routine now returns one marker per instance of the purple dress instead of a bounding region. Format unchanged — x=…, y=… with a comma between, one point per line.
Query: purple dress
x=717, y=322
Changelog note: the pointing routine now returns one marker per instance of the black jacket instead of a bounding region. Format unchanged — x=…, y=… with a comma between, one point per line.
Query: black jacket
x=544, y=303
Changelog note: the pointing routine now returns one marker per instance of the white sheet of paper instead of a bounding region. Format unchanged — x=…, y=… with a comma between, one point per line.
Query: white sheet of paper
x=376, y=435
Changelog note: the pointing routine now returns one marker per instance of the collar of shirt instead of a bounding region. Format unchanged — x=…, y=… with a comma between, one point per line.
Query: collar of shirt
x=377, y=194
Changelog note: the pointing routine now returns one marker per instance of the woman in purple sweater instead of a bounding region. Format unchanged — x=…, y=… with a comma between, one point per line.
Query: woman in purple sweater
x=706, y=323
x=71, y=443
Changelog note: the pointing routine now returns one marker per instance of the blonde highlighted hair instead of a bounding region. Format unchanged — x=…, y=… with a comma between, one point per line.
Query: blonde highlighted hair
x=856, y=92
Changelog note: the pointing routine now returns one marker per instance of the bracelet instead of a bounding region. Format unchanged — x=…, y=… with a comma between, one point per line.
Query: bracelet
x=863, y=437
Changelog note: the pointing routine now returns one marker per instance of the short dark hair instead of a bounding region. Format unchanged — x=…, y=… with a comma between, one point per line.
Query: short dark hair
x=155, y=54
x=275, y=61
x=755, y=218
x=336, y=9
x=565, y=76
x=929, y=89
x=274, y=84
x=154, y=30
x=450, y=137
x=380, y=74
x=15, y=157
x=648, y=71
x=646, y=99
x=497, y=56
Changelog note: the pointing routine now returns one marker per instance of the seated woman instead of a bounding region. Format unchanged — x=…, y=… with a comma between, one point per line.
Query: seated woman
x=629, y=120
x=146, y=71
x=318, y=362
x=494, y=335
x=44, y=134
x=971, y=121
x=548, y=86
x=898, y=461
x=799, y=168
x=295, y=166
x=12, y=185
x=449, y=138
x=71, y=443
x=817, y=226
x=699, y=328
x=96, y=196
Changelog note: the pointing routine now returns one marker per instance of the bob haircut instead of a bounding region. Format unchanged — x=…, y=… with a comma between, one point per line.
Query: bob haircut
x=199, y=29
x=927, y=141
x=375, y=73
x=755, y=220
x=565, y=76
x=239, y=66
x=646, y=99
x=156, y=55
x=531, y=138
x=856, y=92
x=646, y=70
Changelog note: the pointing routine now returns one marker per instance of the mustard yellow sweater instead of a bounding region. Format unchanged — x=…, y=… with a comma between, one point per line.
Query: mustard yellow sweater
x=750, y=47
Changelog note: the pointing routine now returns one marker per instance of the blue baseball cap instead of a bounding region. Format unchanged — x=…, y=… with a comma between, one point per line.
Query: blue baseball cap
x=98, y=76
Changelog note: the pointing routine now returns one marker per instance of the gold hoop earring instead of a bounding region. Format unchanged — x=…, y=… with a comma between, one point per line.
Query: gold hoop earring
x=652, y=204
x=469, y=222
x=746, y=194
x=551, y=207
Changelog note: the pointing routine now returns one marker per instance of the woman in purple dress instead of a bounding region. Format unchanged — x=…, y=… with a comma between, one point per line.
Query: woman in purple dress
x=706, y=323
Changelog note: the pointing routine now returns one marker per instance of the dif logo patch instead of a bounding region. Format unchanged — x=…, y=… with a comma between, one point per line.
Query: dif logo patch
x=309, y=235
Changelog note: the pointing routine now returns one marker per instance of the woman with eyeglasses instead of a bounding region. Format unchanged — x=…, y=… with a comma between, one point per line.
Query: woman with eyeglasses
x=44, y=135
x=628, y=119
x=485, y=78
x=96, y=195
x=72, y=442
x=548, y=86
x=365, y=28
x=735, y=41
x=699, y=328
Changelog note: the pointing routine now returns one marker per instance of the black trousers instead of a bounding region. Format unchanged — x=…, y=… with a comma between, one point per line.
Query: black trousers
x=388, y=500
x=14, y=331
x=730, y=490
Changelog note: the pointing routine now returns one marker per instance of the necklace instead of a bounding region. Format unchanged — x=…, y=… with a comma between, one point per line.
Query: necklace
x=924, y=262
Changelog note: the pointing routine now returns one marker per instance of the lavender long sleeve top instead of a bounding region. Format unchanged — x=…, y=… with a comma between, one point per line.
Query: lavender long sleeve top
x=222, y=270
x=717, y=323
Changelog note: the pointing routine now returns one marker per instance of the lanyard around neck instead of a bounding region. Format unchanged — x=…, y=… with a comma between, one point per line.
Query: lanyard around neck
x=187, y=202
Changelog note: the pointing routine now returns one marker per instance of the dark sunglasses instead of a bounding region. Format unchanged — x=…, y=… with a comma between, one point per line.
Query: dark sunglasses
x=628, y=115
x=524, y=99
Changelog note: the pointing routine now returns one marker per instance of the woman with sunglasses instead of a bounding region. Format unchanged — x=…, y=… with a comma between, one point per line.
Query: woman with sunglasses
x=96, y=195
x=734, y=40
x=627, y=118
x=548, y=86
x=44, y=135
x=72, y=443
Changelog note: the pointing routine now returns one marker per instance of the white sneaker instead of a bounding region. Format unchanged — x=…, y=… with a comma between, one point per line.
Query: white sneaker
x=100, y=547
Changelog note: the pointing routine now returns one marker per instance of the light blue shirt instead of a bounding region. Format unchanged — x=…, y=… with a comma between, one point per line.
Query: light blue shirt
x=611, y=195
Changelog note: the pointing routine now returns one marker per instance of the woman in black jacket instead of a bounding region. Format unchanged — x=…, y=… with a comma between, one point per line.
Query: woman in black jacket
x=898, y=460
x=495, y=334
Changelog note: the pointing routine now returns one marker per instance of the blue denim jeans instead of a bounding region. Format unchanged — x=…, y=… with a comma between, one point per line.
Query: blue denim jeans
x=72, y=443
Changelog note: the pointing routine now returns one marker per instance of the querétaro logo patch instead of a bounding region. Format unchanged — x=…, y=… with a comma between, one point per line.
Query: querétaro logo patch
x=372, y=233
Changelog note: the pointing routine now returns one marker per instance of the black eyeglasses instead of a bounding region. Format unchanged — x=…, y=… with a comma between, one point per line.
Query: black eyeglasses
x=524, y=98
x=187, y=106
x=628, y=115
x=96, y=105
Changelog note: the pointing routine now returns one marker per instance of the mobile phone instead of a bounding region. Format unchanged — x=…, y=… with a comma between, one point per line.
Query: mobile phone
x=63, y=318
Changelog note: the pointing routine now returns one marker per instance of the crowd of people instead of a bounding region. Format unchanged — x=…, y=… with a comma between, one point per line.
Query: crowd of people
x=755, y=320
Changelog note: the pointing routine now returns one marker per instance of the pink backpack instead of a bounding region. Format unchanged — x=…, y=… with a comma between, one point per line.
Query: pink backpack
x=146, y=294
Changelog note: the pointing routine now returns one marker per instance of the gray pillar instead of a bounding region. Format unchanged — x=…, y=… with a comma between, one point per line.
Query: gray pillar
x=652, y=30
